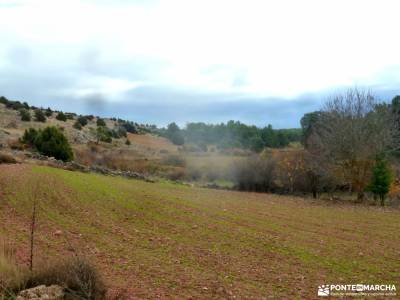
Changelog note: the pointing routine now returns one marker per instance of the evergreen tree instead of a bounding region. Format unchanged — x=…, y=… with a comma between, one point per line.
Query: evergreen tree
x=52, y=142
x=381, y=179
x=61, y=116
x=39, y=116
x=25, y=115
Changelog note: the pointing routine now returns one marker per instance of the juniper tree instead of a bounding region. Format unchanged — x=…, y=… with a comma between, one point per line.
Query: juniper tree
x=381, y=179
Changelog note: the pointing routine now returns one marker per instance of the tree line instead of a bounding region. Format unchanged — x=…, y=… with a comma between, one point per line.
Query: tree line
x=351, y=144
x=233, y=134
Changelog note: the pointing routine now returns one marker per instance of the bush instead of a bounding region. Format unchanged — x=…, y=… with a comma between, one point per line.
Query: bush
x=381, y=179
x=176, y=174
x=80, y=279
x=104, y=134
x=77, y=125
x=121, y=132
x=30, y=136
x=7, y=159
x=100, y=122
x=82, y=120
x=48, y=112
x=61, y=116
x=39, y=116
x=50, y=142
x=129, y=126
x=127, y=142
x=174, y=160
x=255, y=174
x=70, y=116
x=25, y=115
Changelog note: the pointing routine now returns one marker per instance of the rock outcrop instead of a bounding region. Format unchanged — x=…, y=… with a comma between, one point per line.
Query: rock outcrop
x=41, y=292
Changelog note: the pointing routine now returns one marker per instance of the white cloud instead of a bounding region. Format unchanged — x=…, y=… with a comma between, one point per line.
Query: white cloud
x=274, y=48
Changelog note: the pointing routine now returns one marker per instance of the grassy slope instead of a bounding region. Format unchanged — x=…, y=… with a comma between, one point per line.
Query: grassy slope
x=173, y=241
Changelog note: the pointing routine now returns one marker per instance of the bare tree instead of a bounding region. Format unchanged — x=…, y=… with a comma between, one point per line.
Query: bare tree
x=352, y=130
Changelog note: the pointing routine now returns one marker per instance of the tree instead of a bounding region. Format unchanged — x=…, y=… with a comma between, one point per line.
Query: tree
x=352, y=130
x=52, y=142
x=25, y=115
x=48, y=112
x=61, y=116
x=30, y=136
x=308, y=122
x=100, y=122
x=39, y=116
x=256, y=144
x=82, y=120
x=103, y=134
x=174, y=134
x=381, y=179
x=77, y=125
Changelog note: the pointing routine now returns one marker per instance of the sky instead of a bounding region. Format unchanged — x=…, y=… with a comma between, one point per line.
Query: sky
x=260, y=62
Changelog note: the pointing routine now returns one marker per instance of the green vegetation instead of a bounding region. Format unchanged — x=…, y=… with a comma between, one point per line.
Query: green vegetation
x=25, y=115
x=103, y=134
x=232, y=135
x=49, y=141
x=381, y=179
x=48, y=112
x=171, y=241
x=174, y=134
x=82, y=120
x=61, y=116
x=100, y=122
x=77, y=125
x=40, y=116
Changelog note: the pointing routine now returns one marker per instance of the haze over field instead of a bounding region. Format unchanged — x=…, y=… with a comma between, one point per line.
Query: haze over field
x=156, y=62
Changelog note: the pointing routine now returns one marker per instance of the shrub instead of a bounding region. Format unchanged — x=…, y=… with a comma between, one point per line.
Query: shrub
x=77, y=125
x=61, y=116
x=52, y=142
x=48, y=112
x=129, y=126
x=39, y=116
x=70, y=116
x=104, y=134
x=381, y=179
x=3, y=100
x=82, y=120
x=80, y=279
x=174, y=160
x=176, y=174
x=121, y=131
x=100, y=122
x=30, y=136
x=127, y=142
x=7, y=159
x=11, y=275
x=25, y=115
x=255, y=174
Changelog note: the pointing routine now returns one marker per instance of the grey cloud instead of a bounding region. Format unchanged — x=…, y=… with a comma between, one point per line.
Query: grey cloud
x=94, y=61
x=42, y=78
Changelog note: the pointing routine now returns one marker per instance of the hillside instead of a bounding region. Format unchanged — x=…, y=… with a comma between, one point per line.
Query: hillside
x=163, y=240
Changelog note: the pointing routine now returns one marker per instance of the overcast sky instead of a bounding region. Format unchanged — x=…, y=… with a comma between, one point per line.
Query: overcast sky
x=154, y=61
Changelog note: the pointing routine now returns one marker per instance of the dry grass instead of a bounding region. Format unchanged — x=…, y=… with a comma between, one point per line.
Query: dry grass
x=151, y=142
x=10, y=273
x=7, y=159
x=77, y=276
